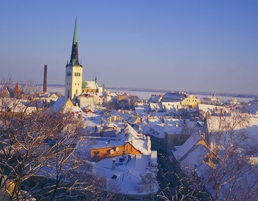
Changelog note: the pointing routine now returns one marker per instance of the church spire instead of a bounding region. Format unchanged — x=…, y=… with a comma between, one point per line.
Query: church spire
x=74, y=55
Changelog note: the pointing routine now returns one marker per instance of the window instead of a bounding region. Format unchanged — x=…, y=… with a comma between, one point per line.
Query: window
x=77, y=74
x=68, y=74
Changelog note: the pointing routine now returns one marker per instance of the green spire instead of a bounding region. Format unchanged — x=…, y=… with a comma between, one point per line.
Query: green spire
x=74, y=55
x=75, y=34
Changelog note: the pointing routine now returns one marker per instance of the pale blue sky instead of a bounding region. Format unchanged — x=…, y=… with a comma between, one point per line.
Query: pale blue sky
x=208, y=45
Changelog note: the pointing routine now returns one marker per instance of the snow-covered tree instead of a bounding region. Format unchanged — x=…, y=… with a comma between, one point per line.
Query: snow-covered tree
x=38, y=151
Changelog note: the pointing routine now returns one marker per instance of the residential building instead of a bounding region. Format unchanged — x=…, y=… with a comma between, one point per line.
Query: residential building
x=124, y=159
x=224, y=155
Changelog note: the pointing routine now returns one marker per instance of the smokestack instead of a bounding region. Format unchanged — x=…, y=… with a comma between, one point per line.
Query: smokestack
x=45, y=79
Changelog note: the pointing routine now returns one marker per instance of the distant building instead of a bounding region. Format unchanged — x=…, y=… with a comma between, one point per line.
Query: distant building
x=181, y=99
x=191, y=101
x=124, y=158
x=234, y=101
x=5, y=92
x=213, y=100
x=73, y=73
x=90, y=86
x=172, y=102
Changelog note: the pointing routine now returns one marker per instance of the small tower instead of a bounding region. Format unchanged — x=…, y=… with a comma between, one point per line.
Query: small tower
x=73, y=73
x=104, y=87
x=16, y=90
x=96, y=84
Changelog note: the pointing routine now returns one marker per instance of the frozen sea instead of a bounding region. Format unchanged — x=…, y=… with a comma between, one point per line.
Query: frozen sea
x=145, y=94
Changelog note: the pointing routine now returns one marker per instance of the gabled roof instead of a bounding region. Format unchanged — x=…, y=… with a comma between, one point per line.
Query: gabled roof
x=194, y=152
x=127, y=174
x=14, y=105
x=124, y=114
x=5, y=92
x=154, y=99
x=61, y=103
x=254, y=101
x=133, y=120
x=139, y=141
x=252, y=109
x=187, y=146
x=173, y=97
x=212, y=108
x=89, y=85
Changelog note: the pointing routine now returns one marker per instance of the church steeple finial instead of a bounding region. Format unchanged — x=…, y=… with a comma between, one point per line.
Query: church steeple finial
x=74, y=55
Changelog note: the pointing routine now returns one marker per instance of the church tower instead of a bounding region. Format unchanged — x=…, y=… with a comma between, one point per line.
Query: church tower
x=73, y=72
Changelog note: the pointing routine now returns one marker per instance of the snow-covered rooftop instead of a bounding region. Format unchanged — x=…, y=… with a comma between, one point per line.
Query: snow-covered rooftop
x=173, y=97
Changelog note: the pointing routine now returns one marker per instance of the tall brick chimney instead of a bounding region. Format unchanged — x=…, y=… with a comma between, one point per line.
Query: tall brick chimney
x=45, y=79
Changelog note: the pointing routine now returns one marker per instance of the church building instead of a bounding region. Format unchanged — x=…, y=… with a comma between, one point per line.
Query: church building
x=90, y=86
x=73, y=73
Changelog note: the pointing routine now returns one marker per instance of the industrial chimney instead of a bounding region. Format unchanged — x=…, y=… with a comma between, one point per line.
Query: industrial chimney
x=45, y=79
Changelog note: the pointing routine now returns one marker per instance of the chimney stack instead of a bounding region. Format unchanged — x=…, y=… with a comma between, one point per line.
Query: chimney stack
x=45, y=79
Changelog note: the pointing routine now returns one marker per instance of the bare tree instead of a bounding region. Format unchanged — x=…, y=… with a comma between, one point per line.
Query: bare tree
x=234, y=176
x=37, y=152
